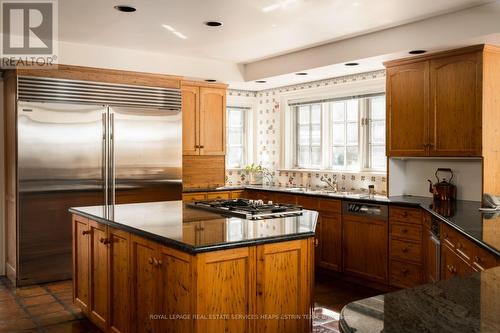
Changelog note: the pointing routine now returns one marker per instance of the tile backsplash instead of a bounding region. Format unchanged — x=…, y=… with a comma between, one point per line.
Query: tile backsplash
x=358, y=181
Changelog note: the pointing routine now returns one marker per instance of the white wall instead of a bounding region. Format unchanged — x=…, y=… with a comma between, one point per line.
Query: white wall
x=409, y=176
x=2, y=187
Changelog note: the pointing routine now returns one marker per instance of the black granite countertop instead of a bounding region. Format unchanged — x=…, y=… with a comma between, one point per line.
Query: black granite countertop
x=194, y=230
x=461, y=304
x=464, y=216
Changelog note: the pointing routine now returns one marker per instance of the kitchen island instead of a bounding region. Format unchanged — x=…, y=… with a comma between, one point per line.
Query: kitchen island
x=166, y=267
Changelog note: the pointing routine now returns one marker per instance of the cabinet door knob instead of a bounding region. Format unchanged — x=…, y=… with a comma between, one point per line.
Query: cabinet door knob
x=405, y=250
x=160, y=262
x=477, y=259
x=459, y=245
x=404, y=231
x=86, y=232
x=155, y=262
x=316, y=242
x=405, y=214
x=150, y=261
x=405, y=271
x=101, y=240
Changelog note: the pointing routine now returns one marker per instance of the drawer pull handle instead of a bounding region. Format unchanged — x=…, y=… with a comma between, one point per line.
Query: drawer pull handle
x=405, y=214
x=86, y=232
x=316, y=242
x=406, y=250
x=404, y=231
x=405, y=271
x=451, y=269
x=150, y=261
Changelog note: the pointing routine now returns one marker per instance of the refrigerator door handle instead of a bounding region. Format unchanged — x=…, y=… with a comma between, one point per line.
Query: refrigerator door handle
x=104, y=154
x=112, y=169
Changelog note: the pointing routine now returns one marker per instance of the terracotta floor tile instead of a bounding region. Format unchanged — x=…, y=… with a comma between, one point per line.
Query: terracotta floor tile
x=41, y=299
x=31, y=291
x=16, y=324
x=40, y=309
x=54, y=318
x=5, y=295
x=60, y=286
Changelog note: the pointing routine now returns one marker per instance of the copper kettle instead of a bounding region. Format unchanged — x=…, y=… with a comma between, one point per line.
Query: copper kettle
x=443, y=190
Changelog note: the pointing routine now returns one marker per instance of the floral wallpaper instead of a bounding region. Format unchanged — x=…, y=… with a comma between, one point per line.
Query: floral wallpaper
x=268, y=141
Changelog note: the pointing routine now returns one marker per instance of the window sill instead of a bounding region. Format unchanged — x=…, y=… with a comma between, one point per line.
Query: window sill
x=371, y=172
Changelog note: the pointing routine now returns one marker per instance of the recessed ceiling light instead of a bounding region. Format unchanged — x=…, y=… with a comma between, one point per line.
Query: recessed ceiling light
x=260, y=81
x=210, y=80
x=351, y=64
x=125, y=8
x=301, y=73
x=417, y=51
x=213, y=24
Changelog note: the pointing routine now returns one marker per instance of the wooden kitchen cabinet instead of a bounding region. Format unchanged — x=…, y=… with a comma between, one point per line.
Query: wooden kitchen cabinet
x=452, y=264
x=81, y=262
x=364, y=247
x=329, y=234
x=203, y=120
x=143, y=278
x=283, y=277
x=119, y=281
x=407, y=103
x=455, y=111
x=434, y=104
x=98, y=274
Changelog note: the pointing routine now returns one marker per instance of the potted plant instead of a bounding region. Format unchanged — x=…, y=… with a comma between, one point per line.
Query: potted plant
x=256, y=173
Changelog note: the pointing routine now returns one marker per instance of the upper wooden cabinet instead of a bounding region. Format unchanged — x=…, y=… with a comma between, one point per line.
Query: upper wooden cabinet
x=434, y=104
x=455, y=95
x=203, y=119
x=408, y=109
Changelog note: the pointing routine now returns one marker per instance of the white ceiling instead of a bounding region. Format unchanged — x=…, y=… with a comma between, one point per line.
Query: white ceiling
x=249, y=32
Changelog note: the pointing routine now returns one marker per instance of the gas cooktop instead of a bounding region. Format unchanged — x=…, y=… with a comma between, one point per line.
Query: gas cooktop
x=248, y=209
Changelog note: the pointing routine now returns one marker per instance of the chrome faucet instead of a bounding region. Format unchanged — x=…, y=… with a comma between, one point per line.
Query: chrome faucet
x=331, y=182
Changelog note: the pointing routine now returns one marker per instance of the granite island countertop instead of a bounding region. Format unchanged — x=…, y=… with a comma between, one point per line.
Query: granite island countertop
x=194, y=230
x=461, y=304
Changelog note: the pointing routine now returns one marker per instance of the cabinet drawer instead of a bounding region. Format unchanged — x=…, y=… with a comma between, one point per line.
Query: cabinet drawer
x=218, y=195
x=406, y=250
x=405, y=275
x=308, y=202
x=405, y=231
x=482, y=259
x=457, y=242
x=330, y=205
x=237, y=194
x=284, y=198
x=194, y=196
x=406, y=215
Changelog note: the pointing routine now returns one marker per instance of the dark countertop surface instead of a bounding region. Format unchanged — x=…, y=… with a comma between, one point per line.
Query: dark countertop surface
x=461, y=304
x=194, y=230
x=464, y=216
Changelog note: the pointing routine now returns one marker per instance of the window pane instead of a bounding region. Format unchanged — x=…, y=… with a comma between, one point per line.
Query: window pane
x=338, y=157
x=235, y=156
x=378, y=158
x=377, y=131
x=338, y=134
x=352, y=133
x=316, y=113
x=235, y=118
x=377, y=106
x=304, y=133
x=352, y=110
x=352, y=157
x=303, y=116
x=316, y=134
x=235, y=136
x=338, y=111
x=316, y=155
x=304, y=156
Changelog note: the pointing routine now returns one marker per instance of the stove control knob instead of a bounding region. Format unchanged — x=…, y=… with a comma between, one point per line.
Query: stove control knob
x=269, y=202
x=251, y=202
x=260, y=202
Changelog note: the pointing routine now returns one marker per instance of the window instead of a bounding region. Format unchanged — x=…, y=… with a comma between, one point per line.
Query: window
x=340, y=134
x=236, y=137
x=308, y=138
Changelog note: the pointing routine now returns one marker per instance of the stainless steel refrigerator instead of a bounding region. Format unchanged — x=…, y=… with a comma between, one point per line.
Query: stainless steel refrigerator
x=78, y=154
